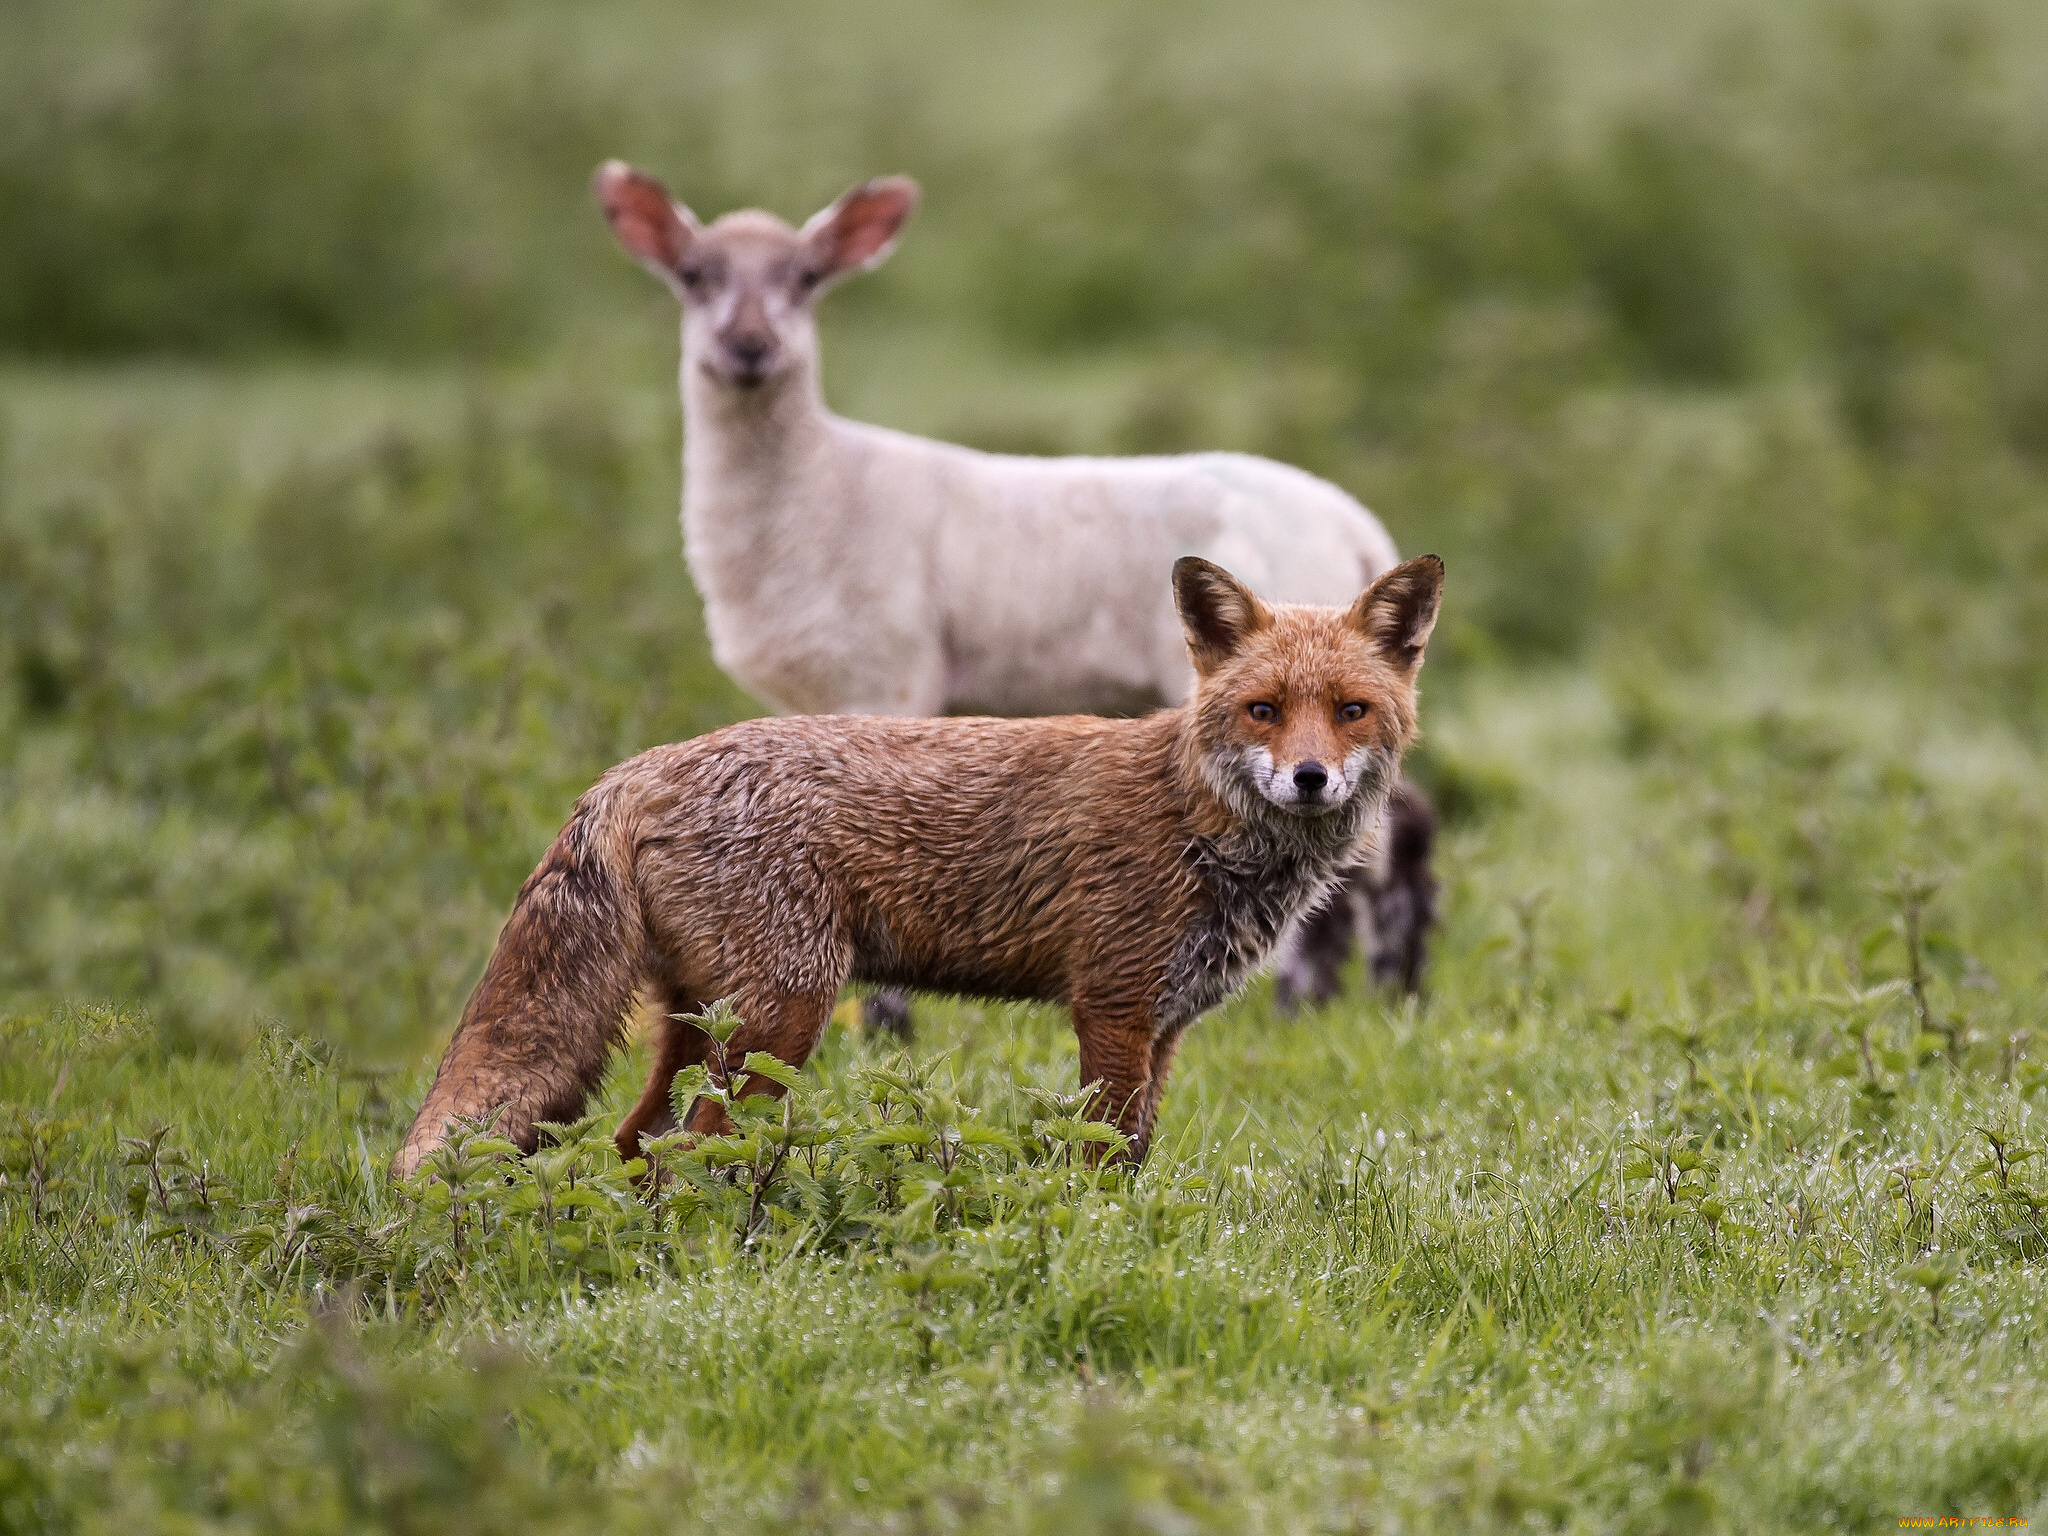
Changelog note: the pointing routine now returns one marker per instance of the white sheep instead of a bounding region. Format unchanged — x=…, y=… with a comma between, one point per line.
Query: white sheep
x=848, y=568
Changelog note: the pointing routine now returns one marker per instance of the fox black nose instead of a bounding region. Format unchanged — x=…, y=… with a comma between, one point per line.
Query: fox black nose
x=1310, y=778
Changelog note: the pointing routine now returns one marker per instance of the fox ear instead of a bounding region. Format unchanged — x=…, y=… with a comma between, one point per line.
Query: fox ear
x=650, y=224
x=859, y=231
x=1218, y=611
x=1397, y=612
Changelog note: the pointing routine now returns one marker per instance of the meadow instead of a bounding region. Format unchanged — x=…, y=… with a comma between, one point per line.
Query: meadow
x=1703, y=1189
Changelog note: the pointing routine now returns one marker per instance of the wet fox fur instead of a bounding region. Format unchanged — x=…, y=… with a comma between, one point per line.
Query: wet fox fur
x=1136, y=870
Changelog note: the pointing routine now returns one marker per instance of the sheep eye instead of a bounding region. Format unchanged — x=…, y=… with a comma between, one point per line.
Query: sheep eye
x=1353, y=712
x=809, y=280
x=1264, y=713
x=693, y=277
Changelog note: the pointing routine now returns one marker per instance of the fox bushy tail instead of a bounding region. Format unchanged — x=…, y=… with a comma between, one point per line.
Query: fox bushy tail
x=552, y=1005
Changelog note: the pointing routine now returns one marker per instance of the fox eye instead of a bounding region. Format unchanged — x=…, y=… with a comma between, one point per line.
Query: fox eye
x=1265, y=714
x=1350, y=712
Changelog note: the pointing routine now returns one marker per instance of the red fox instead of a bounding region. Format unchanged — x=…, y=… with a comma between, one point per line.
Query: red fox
x=1137, y=871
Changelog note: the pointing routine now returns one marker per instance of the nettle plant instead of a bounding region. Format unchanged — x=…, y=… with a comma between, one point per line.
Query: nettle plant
x=1935, y=980
x=479, y=1207
x=886, y=1163
x=34, y=1158
x=1681, y=1174
x=1870, y=1055
x=889, y=1161
x=2015, y=1206
x=285, y=1238
x=1895, y=1026
x=1921, y=949
x=168, y=1191
x=1886, y=1033
x=898, y=1155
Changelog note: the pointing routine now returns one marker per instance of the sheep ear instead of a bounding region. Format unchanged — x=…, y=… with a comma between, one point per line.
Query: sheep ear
x=1218, y=612
x=1397, y=612
x=650, y=224
x=859, y=231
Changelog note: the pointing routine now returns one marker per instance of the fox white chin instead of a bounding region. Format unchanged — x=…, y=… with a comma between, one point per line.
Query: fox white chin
x=1363, y=772
x=1268, y=805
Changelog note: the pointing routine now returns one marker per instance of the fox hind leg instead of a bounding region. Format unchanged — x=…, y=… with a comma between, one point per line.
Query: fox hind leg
x=677, y=1044
x=785, y=1024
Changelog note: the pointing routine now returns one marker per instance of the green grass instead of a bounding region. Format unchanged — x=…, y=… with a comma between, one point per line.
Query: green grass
x=1426, y=1283
x=338, y=554
x=1393, y=1267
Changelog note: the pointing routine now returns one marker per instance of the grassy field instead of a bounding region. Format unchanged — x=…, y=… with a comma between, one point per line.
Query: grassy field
x=1702, y=1191
x=1622, y=1228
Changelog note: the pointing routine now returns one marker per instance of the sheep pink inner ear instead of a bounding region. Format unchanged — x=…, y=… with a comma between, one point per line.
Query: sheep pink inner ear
x=1397, y=612
x=859, y=231
x=1218, y=612
x=649, y=223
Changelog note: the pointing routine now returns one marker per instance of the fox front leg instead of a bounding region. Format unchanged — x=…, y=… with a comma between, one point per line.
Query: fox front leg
x=1164, y=1043
x=1116, y=1054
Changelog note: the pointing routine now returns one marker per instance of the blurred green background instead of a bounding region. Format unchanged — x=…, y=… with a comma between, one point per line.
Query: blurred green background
x=338, y=444
x=1708, y=342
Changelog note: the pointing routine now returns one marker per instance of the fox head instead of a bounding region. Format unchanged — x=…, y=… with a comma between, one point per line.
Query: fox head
x=1304, y=711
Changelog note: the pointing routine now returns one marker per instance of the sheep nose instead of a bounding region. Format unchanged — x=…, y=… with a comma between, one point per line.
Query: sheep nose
x=748, y=351
x=1310, y=778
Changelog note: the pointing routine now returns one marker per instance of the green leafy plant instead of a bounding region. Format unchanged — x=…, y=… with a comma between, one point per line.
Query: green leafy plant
x=2018, y=1208
x=174, y=1195
x=1910, y=892
x=33, y=1150
x=1933, y=1273
x=1876, y=1065
x=1680, y=1169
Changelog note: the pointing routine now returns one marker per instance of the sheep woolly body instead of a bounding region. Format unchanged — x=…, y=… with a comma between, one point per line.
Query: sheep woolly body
x=848, y=568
